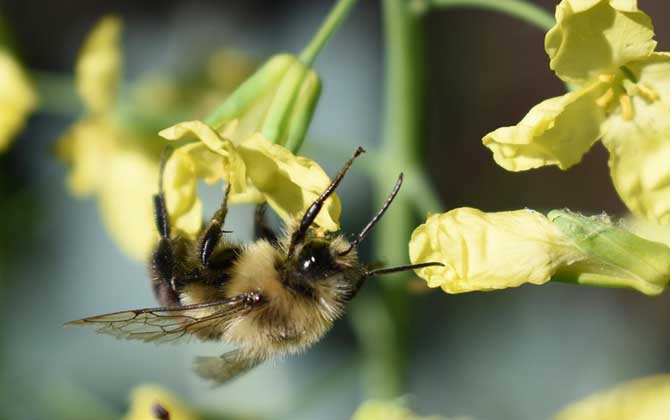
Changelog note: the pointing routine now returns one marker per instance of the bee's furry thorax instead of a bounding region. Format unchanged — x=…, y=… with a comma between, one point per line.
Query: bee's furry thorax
x=296, y=307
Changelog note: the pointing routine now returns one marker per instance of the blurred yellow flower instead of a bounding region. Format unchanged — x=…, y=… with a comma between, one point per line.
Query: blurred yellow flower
x=387, y=410
x=642, y=399
x=99, y=66
x=256, y=170
x=151, y=402
x=118, y=166
x=17, y=98
x=109, y=157
x=605, y=50
x=489, y=251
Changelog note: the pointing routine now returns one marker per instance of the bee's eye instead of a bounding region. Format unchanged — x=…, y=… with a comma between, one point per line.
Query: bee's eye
x=315, y=257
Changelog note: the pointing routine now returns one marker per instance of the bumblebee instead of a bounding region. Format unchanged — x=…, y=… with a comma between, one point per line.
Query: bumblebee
x=272, y=297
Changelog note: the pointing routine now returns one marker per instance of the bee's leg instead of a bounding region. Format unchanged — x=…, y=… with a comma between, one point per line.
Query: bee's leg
x=261, y=229
x=162, y=259
x=212, y=234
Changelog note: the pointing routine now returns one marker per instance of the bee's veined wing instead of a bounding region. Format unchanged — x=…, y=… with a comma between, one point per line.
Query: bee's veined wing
x=227, y=366
x=161, y=325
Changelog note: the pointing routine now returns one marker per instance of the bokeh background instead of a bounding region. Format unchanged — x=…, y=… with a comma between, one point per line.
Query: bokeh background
x=516, y=354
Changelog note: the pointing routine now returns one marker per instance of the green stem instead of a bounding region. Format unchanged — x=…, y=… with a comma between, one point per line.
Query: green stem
x=328, y=27
x=523, y=10
x=385, y=341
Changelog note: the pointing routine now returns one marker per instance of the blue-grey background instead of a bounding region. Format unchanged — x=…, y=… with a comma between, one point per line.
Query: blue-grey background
x=516, y=354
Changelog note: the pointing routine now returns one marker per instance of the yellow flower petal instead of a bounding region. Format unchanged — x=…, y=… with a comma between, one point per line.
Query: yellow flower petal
x=642, y=399
x=257, y=170
x=594, y=36
x=145, y=398
x=489, y=251
x=125, y=201
x=121, y=171
x=647, y=230
x=229, y=164
x=180, y=183
x=85, y=148
x=99, y=66
x=289, y=183
x=640, y=148
x=557, y=131
x=17, y=98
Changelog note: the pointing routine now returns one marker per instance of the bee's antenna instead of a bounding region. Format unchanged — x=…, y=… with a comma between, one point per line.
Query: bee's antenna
x=359, y=238
x=313, y=210
x=401, y=268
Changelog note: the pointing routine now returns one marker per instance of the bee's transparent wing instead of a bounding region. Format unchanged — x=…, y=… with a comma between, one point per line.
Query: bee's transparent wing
x=225, y=367
x=161, y=325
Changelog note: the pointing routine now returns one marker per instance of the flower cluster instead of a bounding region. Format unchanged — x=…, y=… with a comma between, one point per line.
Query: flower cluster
x=113, y=152
x=621, y=94
x=249, y=143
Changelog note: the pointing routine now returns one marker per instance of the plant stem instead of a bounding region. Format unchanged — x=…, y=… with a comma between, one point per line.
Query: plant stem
x=328, y=27
x=523, y=10
x=382, y=322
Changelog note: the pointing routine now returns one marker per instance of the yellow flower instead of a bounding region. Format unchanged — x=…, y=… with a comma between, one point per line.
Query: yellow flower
x=149, y=402
x=17, y=98
x=642, y=399
x=249, y=142
x=256, y=170
x=387, y=410
x=109, y=158
x=99, y=66
x=489, y=251
x=647, y=230
x=118, y=166
x=605, y=50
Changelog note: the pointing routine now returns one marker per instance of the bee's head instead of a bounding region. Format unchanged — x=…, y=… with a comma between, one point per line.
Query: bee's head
x=313, y=260
x=321, y=258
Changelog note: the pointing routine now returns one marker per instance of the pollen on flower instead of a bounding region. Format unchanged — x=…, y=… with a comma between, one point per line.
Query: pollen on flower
x=605, y=101
x=626, y=107
x=606, y=78
x=647, y=93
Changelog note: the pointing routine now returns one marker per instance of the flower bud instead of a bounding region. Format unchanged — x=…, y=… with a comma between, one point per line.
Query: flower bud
x=278, y=101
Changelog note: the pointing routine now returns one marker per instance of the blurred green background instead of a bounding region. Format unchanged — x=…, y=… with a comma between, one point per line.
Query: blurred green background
x=516, y=354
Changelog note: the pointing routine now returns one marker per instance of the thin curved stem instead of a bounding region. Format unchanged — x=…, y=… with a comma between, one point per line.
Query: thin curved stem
x=520, y=9
x=328, y=27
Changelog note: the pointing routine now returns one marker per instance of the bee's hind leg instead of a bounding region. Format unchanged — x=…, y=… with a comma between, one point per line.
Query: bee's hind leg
x=210, y=238
x=162, y=259
x=261, y=228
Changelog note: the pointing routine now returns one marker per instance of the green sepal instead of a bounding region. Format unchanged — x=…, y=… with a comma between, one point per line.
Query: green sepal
x=614, y=257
